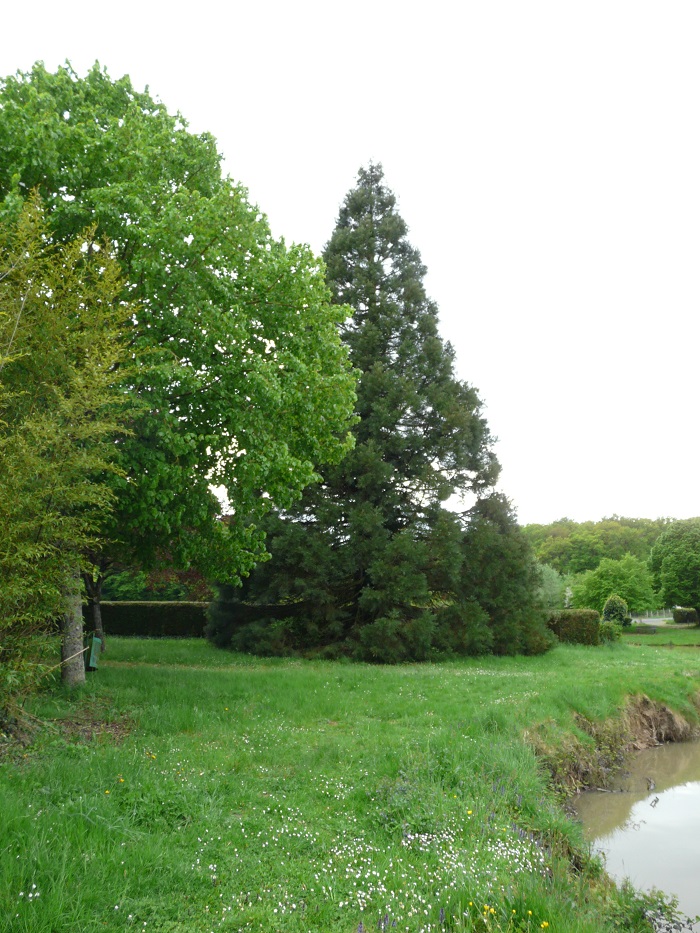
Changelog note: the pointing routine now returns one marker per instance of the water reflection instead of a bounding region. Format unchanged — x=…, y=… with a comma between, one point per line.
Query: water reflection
x=649, y=828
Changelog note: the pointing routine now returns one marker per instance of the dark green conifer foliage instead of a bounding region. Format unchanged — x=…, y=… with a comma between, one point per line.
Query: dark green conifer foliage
x=499, y=573
x=370, y=559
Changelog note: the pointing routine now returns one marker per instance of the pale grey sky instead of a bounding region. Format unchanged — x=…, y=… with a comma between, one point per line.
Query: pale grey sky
x=546, y=156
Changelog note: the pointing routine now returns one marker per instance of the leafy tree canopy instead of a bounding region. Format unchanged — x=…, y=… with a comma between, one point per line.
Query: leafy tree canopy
x=675, y=564
x=629, y=578
x=552, y=587
x=574, y=547
x=61, y=414
x=243, y=381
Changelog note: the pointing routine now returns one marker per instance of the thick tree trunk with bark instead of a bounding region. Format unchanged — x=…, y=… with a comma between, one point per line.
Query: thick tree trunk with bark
x=72, y=660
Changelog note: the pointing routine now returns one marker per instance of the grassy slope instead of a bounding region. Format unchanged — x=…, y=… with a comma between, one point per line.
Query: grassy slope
x=300, y=796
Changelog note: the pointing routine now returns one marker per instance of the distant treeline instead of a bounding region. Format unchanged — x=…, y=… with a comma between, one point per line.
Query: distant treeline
x=574, y=547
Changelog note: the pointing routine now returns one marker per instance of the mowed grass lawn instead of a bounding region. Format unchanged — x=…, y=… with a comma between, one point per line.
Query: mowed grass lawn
x=220, y=792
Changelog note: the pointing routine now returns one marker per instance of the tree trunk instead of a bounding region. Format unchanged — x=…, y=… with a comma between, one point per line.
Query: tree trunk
x=72, y=659
x=94, y=590
x=97, y=619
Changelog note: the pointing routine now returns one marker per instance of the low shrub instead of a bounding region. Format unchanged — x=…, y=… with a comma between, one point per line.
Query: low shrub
x=463, y=628
x=575, y=626
x=394, y=638
x=609, y=632
x=538, y=639
x=685, y=616
x=151, y=619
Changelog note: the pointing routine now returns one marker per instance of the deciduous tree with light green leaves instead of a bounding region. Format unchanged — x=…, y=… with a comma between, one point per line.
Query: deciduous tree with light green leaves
x=236, y=361
x=62, y=415
x=675, y=564
x=574, y=547
x=629, y=578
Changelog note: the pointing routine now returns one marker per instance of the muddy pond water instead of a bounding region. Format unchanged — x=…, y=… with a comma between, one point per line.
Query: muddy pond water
x=648, y=829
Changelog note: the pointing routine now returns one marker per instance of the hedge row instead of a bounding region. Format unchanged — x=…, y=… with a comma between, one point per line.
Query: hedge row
x=151, y=619
x=575, y=626
x=685, y=616
x=188, y=620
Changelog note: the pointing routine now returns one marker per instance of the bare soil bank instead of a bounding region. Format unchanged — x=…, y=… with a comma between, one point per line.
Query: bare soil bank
x=591, y=758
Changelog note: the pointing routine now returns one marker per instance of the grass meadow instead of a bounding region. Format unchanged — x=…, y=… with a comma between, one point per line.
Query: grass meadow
x=667, y=634
x=189, y=789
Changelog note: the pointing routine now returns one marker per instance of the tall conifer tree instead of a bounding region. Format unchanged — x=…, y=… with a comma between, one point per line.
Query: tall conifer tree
x=366, y=562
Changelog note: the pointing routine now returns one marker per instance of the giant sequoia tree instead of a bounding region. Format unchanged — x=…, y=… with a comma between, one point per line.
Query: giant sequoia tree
x=241, y=378
x=368, y=562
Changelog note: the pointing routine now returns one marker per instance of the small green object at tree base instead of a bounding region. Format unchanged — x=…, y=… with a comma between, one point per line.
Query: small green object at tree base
x=93, y=652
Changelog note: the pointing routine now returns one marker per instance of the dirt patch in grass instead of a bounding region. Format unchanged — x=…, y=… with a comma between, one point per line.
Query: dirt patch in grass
x=592, y=758
x=23, y=732
x=89, y=728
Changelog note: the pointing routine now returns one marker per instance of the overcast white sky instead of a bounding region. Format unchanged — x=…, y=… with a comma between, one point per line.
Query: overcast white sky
x=546, y=157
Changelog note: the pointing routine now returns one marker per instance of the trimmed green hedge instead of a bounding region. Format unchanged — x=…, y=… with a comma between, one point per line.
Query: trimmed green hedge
x=151, y=619
x=575, y=626
x=685, y=616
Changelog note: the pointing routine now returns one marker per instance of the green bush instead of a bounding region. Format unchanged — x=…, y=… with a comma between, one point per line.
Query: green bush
x=263, y=630
x=575, y=626
x=685, y=616
x=299, y=628
x=609, y=632
x=393, y=638
x=463, y=628
x=220, y=624
x=615, y=610
x=538, y=639
x=151, y=619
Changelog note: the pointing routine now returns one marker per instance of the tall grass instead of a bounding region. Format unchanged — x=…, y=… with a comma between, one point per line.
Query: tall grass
x=312, y=796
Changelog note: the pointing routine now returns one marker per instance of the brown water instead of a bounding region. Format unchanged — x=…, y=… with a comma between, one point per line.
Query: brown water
x=652, y=836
